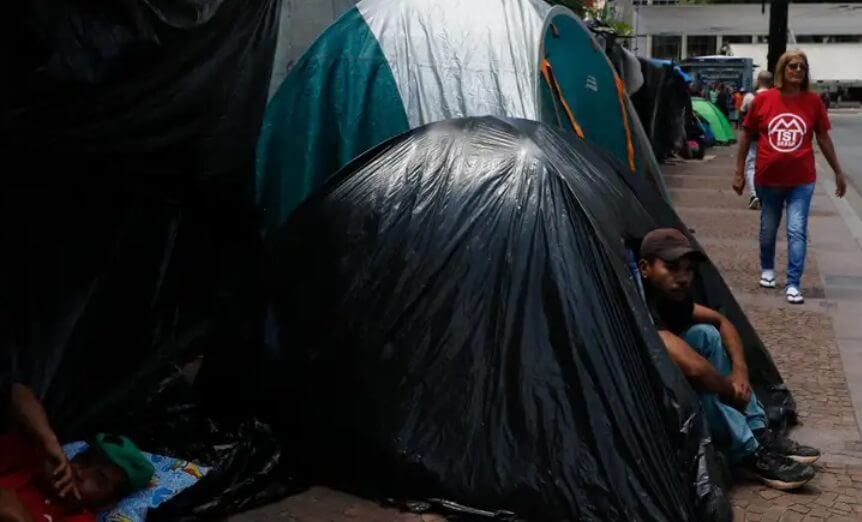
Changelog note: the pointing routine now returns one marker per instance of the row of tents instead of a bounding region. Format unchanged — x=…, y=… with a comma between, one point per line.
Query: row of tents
x=404, y=276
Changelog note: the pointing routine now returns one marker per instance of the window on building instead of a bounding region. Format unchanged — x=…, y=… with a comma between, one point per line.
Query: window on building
x=762, y=38
x=809, y=38
x=667, y=47
x=845, y=38
x=736, y=39
x=701, y=46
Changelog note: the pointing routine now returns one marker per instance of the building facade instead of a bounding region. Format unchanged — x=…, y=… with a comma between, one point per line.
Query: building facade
x=831, y=34
x=672, y=31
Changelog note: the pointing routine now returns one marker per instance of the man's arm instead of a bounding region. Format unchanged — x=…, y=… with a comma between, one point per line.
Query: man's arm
x=32, y=419
x=739, y=176
x=729, y=336
x=11, y=509
x=732, y=342
x=30, y=416
x=702, y=376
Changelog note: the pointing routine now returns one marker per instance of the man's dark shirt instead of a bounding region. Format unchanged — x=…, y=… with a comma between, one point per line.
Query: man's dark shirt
x=675, y=317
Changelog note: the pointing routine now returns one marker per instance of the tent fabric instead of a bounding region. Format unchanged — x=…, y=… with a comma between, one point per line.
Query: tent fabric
x=491, y=72
x=720, y=126
x=127, y=215
x=684, y=75
x=662, y=104
x=457, y=304
x=388, y=66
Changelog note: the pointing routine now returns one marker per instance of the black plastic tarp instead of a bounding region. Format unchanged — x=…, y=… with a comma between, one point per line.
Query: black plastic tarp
x=662, y=104
x=452, y=317
x=129, y=242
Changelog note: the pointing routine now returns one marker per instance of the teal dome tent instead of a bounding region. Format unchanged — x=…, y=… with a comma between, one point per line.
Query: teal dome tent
x=387, y=66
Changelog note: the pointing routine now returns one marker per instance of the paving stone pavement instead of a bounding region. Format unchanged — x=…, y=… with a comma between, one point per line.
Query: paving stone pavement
x=815, y=347
x=802, y=340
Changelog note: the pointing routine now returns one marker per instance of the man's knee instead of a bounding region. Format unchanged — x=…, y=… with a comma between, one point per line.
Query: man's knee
x=703, y=337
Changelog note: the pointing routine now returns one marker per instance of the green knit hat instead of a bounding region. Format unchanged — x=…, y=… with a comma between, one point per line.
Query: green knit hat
x=126, y=456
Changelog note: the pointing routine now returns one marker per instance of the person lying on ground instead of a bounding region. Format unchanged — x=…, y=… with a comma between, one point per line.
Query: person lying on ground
x=38, y=483
x=709, y=352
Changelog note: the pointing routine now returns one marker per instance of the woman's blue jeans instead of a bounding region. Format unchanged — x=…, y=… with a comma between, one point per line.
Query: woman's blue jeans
x=772, y=203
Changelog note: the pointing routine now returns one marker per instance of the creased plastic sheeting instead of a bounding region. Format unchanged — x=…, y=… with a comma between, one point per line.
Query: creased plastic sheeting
x=456, y=320
x=128, y=228
x=662, y=104
x=458, y=58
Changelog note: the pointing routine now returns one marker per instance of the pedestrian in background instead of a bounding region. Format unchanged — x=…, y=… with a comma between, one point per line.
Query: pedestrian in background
x=786, y=119
x=764, y=82
x=738, y=96
x=723, y=100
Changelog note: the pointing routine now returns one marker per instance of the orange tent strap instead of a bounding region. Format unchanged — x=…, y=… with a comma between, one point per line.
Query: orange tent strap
x=630, y=147
x=548, y=73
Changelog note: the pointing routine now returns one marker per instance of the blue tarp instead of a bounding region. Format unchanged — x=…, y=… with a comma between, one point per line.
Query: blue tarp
x=676, y=67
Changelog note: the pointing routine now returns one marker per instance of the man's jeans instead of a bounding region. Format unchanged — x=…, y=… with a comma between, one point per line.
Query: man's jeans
x=772, y=202
x=750, y=162
x=729, y=427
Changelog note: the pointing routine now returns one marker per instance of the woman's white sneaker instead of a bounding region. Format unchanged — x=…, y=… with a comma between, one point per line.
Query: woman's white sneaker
x=767, y=279
x=794, y=296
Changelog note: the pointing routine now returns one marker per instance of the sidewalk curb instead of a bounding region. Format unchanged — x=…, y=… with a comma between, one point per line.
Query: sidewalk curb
x=853, y=222
x=854, y=227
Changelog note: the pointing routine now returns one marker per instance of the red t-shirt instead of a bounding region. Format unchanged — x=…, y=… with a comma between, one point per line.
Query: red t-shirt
x=20, y=466
x=785, y=126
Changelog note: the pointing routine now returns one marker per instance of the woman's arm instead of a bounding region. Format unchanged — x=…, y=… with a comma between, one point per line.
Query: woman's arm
x=824, y=140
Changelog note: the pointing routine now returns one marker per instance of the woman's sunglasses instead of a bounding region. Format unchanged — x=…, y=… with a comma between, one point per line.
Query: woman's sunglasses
x=797, y=66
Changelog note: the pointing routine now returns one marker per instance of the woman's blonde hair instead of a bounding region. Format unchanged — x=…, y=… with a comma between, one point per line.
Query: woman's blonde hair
x=781, y=67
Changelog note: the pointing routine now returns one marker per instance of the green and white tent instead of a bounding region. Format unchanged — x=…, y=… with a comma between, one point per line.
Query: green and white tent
x=718, y=122
x=387, y=66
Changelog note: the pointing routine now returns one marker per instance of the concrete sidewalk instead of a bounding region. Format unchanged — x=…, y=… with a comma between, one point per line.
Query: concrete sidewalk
x=817, y=346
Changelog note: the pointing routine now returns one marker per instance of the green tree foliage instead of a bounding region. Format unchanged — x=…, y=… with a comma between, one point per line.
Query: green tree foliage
x=575, y=5
x=618, y=26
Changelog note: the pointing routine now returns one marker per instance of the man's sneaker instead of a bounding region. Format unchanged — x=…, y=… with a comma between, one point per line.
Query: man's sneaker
x=775, y=443
x=754, y=203
x=776, y=471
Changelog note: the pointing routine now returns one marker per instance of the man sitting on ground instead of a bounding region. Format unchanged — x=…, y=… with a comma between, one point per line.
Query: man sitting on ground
x=708, y=350
x=38, y=484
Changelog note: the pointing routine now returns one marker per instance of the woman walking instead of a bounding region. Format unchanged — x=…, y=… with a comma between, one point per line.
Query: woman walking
x=786, y=119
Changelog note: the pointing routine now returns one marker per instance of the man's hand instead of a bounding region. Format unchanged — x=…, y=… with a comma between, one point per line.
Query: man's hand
x=840, y=185
x=58, y=471
x=741, y=389
x=11, y=509
x=738, y=182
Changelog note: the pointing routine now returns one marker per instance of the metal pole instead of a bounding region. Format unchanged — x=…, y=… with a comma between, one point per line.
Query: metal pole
x=778, y=15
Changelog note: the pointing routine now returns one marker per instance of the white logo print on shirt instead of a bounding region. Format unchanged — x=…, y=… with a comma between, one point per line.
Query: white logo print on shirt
x=786, y=132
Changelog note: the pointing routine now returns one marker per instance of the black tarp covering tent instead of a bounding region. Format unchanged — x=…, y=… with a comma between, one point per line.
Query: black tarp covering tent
x=663, y=104
x=452, y=317
x=129, y=242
